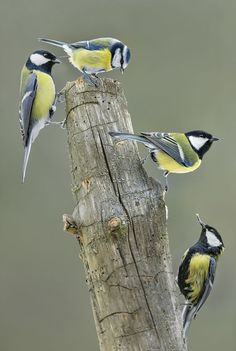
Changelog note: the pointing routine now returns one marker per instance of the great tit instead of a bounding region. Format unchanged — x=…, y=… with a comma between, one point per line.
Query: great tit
x=173, y=152
x=95, y=56
x=37, y=98
x=197, y=272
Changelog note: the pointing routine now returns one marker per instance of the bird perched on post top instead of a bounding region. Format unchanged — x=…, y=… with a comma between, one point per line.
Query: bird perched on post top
x=95, y=56
x=173, y=152
x=38, y=96
x=197, y=272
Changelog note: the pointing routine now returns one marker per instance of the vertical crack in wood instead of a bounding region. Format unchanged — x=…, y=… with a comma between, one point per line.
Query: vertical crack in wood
x=108, y=166
x=134, y=260
x=129, y=242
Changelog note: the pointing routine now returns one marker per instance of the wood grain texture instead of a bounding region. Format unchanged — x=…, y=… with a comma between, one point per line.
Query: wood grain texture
x=121, y=216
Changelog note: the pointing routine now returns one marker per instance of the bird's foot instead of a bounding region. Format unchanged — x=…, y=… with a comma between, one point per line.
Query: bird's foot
x=61, y=124
x=143, y=160
x=61, y=96
x=92, y=79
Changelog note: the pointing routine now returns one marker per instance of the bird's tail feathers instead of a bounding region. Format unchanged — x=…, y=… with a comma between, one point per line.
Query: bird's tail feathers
x=61, y=44
x=189, y=312
x=129, y=136
x=26, y=159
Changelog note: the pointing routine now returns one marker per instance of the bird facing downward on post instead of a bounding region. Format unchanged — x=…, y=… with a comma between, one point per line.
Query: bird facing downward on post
x=38, y=97
x=95, y=56
x=197, y=272
x=173, y=152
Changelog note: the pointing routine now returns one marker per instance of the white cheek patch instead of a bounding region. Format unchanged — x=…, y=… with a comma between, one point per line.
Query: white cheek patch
x=116, y=59
x=197, y=142
x=125, y=54
x=38, y=59
x=212, y=239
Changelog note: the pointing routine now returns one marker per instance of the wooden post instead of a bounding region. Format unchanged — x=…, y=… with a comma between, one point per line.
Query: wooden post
x=121, y=218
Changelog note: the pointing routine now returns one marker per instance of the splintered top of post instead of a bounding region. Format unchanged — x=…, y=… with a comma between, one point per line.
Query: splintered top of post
x=81, y=92
x=105, y=85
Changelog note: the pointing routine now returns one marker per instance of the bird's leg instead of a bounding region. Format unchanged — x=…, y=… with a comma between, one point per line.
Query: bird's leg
x=143, y=160
x=49, y=120
x=61, y=124
x=90, y=79
x=98, y=79
x=165, y=174
x=60, y=97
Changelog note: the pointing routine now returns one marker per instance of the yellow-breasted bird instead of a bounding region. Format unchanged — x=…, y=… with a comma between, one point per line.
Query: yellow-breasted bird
x=95, y=56
x=197, y=272
x=173, y=152
x=38, y=97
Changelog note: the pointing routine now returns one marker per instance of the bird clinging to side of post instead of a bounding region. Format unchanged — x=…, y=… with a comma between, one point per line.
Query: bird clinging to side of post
x=197, y=272
x=38, y=97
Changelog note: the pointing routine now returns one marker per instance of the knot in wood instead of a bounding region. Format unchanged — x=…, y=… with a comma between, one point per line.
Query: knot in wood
x=86, y=183
x=114, y=223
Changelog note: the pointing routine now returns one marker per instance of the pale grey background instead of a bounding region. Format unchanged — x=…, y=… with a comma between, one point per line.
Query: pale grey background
x=182, y=77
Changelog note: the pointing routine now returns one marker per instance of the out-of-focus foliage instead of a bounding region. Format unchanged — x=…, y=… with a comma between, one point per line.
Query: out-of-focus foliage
x=182, y=77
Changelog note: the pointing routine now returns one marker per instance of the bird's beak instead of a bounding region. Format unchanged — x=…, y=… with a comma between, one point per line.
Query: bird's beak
x=122, y=69
x=214, y=139
x=56, y=61
x=200, y=221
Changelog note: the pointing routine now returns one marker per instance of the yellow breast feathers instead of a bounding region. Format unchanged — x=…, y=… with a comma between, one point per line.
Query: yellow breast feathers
x=45, y=95
x=167, y=163
x=92, y=59
x=198, y=271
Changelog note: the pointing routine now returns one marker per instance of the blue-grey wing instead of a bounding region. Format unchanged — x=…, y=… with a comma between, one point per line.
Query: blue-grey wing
x=207, y=284
x=164, y=142
x=95, y=44
x=27, y=101
x=80, y=45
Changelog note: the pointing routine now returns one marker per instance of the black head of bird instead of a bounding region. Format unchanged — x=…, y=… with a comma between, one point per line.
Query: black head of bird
x=120, y=56
x=210, y=239
x=200, y=141
x=41, y=60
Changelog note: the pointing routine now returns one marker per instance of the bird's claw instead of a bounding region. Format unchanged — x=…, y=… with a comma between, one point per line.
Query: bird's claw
x=63, y=123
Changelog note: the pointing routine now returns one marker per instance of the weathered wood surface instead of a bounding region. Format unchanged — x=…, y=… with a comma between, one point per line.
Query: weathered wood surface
x=121, y=217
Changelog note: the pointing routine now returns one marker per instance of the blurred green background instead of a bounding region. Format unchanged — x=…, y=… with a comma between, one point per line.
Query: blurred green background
x=182, y=77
